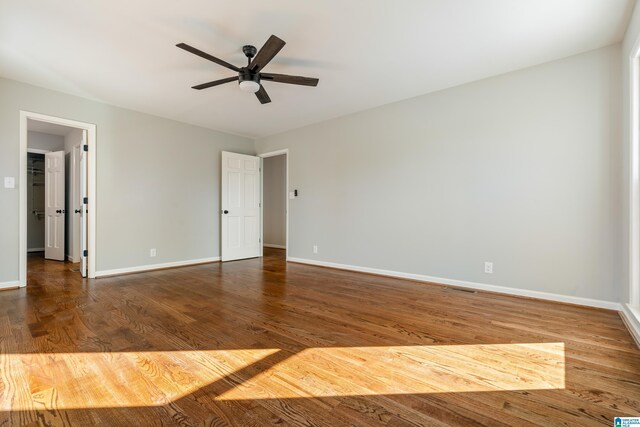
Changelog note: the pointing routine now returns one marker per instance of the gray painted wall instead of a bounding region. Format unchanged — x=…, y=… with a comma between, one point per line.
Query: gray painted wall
x=519, y=169
x=633, y=32
x=274, y=200
x=158, y=180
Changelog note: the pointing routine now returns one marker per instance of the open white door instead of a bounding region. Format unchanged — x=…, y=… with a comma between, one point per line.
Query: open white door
x=82, y=205
x=240, y=216
x=73, y=211
x=54, y=205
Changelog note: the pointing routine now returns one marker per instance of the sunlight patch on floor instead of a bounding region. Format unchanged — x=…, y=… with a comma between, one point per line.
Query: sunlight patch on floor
x=347, y=371
x=125, y=379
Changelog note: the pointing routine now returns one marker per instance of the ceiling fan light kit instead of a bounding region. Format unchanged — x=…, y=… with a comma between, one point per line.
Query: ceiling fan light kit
x=249, y=86
x=250, y=77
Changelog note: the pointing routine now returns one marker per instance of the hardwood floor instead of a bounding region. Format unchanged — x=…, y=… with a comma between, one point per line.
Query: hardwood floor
x=259, y=342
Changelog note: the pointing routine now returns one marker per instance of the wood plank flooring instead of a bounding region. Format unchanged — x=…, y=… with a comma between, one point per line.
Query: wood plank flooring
x=261, y=342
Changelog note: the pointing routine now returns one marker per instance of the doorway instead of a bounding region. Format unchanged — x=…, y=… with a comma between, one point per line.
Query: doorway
x=244, y=199
x=57, y=193
x=241, y=212
x=56, y=178
x=275, y=197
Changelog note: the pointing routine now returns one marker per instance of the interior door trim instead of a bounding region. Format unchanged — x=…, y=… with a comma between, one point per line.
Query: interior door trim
x=91, y=188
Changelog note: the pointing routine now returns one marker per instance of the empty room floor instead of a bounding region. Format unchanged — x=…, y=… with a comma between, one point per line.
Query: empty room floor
x=261, y=342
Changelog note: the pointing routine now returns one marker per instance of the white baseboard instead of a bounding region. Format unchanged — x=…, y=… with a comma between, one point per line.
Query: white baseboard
x=141, y=268
x=631, y=318
x=465, y=284
x=9, y=285
x=35, y=250
x=269, y=245
x=72, y=260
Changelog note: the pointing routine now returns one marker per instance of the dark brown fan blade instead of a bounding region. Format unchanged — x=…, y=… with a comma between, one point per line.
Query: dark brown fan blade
x=266, y=54
x=263, y=96
x=207, y=56
x=294, y=80
x=215, y=83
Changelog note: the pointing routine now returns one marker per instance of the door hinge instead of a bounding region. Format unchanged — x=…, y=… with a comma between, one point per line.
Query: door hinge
x=85, y=147
x=85, y=253
x=86, y=200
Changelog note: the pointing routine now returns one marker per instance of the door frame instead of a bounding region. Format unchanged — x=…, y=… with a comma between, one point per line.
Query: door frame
x=284, y=151
x=91, y=188
x=634, y=185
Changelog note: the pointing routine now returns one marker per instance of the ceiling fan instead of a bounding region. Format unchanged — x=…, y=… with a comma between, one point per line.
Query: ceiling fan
x=250, y=77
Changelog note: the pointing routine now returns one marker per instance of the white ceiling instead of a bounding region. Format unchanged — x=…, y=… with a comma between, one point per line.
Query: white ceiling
x=366, y=52
x=50, y=128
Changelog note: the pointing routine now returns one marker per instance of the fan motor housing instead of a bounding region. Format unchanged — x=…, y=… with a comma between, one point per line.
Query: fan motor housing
x=246, y=74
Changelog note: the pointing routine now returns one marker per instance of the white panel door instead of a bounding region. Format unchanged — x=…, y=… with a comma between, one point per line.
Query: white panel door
x=241, y=214
x=54, y=208
x=82, y=205
x=74, y=205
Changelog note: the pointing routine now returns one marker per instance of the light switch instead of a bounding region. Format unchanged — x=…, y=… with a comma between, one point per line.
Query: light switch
x=9, y=182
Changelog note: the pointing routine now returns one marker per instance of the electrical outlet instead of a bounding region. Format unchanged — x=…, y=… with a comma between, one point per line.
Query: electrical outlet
x=9, y=182
x=488, y=267
x=315, y=249
x=153, y=252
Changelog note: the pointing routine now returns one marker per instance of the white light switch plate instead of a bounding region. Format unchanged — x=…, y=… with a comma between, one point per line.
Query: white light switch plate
x=9, y=182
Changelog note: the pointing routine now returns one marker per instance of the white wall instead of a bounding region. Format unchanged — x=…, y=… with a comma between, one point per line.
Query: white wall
x=520, y=169
x=73, y=138
x=158, y=180
x=274, y=204
x=44, y=141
